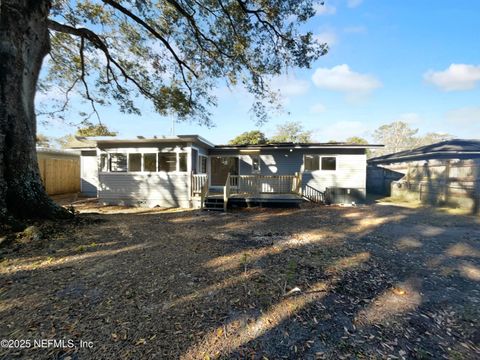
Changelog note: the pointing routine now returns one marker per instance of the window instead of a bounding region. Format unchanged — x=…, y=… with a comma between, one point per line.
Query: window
x=134, y=162
x=311, y=163
x=118, y=162
x=182, y=162
x=202, y=164
x=329, y=163
x=255, y=163
x=103, y=162
x=149, y=162
x=167, y=162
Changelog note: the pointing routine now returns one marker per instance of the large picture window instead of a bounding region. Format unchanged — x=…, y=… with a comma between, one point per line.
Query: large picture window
x=167, y=162
x=150, y=162
x=134, y=162
x=118, y=162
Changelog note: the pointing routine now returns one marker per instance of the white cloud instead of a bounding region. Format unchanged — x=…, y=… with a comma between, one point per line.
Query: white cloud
x=318, y=108
x=328, y=36
x=354, y=3
x=324, y=9
x=341, y=130
x=466, y=116
x=455, y=77
x=341, y=78
x=289, y=85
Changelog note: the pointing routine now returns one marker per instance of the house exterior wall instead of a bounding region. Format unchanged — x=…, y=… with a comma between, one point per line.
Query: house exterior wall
x=150, y=190
x=173, y=189
x=351, y=169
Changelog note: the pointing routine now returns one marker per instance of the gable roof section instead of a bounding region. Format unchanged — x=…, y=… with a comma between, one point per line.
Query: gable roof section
x=442, y=150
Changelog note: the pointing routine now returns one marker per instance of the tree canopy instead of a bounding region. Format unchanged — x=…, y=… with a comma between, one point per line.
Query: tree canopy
x=253, y=137
x=90, y=129
x=174, y=52
x=171, y=52
x=292, y=131
x=356, y=140
x=398, y=136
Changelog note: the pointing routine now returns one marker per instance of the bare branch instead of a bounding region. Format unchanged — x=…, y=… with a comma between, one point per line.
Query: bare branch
x=154, y=32
x=82, y=78
x=98, y=43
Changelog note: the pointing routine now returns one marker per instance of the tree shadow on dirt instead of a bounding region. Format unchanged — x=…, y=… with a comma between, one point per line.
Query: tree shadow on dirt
x=373, y=281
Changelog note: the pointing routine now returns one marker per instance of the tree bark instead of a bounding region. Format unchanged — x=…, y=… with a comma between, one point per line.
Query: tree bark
x=24, y=42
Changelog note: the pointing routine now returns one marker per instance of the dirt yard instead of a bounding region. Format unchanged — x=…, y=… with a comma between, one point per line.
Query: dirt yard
x=379, y=281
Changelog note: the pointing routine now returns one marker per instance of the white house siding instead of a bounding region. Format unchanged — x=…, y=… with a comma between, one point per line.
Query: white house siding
x=149, y=189
x=88, y=173
x=351, y=173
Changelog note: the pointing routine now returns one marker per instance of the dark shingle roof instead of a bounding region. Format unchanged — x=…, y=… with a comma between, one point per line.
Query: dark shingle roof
x=442, y=150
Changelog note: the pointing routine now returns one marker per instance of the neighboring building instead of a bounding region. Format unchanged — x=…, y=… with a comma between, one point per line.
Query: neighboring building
x=177, y=171
x=445, y=173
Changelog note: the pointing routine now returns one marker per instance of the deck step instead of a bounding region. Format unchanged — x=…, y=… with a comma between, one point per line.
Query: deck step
x=214, y=203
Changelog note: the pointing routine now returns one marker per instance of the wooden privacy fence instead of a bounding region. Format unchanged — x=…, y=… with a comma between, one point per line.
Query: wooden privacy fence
x=60, y=176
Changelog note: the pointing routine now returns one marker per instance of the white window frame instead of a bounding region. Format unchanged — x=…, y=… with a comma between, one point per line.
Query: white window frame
x=330, y=156
x=127, y=152
x=320, y=157
x=199, y=164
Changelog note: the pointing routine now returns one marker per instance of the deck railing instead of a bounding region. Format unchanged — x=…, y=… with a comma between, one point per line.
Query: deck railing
x=264, y=184
x=198, y=181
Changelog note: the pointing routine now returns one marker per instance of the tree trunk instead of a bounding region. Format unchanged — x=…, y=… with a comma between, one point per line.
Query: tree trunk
x=24, y=42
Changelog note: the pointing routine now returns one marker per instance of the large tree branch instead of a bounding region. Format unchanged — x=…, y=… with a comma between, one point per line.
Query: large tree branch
x=155, y=33
x=82, y=77
x=98, y=43
x=196, y=30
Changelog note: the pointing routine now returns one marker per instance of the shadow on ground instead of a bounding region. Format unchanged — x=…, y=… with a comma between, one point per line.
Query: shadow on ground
x=314, y=282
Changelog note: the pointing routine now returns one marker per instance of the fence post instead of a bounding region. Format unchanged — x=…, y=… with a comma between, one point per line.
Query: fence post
x=447, y=182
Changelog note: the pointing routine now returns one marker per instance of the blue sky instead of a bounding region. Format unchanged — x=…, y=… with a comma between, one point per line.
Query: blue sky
x=410, y=60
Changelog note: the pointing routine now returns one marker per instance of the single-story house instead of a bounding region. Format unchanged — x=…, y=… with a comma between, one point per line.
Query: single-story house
x=445, y=173
x=184, y=170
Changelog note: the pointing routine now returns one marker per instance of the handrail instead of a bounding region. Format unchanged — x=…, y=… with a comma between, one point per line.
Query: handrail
x=312, y=194
x=203, y=193
x=198, y=180
x=226, y=193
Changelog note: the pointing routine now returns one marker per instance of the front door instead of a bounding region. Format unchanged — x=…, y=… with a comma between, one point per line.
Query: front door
x=220, y=166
